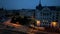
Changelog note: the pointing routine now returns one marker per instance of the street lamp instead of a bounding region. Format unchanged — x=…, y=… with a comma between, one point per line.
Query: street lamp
x=54, y=24
x=38, y=23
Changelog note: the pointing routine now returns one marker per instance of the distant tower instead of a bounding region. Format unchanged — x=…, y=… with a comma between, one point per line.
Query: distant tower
x=39, y=7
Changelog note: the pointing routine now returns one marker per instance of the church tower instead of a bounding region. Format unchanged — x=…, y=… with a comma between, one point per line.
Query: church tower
x=39, y=7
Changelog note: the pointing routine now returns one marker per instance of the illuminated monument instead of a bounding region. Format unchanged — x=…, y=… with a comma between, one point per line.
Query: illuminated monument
x=48, y=14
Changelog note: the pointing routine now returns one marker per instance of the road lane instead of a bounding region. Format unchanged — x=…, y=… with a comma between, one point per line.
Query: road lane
x=18, y=27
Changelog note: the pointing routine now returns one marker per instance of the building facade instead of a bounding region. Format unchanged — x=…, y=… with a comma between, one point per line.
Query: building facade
x=46, y=16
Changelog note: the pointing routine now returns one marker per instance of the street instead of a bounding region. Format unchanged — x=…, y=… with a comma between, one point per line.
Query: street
x=26, y=29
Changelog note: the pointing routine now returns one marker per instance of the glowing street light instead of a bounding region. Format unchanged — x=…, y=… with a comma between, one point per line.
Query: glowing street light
x=38, y=23
x=54, y=24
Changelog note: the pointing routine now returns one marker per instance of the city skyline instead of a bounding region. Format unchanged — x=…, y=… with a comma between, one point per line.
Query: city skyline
x=26, y=4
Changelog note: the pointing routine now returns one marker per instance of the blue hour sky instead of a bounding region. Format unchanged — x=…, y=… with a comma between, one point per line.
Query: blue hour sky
x=50, y=2
x=0, y=3
x=26, y=4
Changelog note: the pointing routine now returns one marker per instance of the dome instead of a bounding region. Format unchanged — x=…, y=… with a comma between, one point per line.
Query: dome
x=46, y=9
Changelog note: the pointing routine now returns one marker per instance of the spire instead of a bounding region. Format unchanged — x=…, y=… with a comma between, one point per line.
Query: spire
x=39, y=7
x=40, y=2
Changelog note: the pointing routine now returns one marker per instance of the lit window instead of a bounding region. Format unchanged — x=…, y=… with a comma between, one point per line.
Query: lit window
x=45, y=21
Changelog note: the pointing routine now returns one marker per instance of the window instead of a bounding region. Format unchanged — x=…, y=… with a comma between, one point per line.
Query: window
x=45, y=20
x=44, y=14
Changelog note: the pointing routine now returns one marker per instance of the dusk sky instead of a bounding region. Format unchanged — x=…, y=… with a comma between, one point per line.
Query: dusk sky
x=26, y=4
x=0, y=3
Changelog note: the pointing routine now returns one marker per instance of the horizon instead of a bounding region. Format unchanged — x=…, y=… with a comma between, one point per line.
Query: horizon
x=26, y=4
